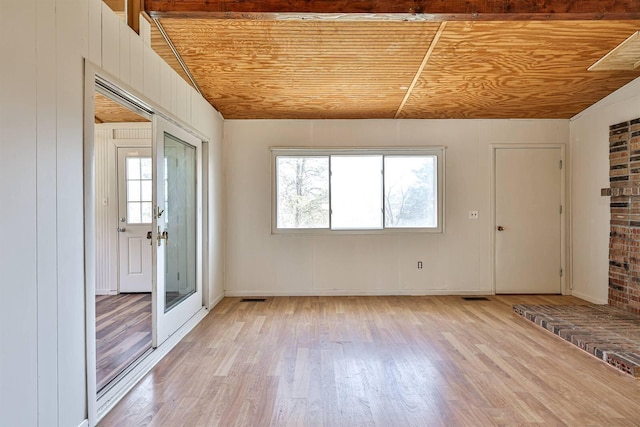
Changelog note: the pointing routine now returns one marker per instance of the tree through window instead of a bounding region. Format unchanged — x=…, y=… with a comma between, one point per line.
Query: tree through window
x=358, y=189
x=303, y=192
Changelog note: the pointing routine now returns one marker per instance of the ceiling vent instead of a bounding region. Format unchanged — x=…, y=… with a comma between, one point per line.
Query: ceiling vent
x=626, y=56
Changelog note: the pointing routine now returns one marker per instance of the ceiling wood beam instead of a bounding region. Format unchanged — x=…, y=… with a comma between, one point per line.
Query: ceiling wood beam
x=432, y=10
x=133, y=14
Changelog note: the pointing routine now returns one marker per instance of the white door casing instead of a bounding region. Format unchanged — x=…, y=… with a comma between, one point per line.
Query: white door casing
x=135, y=207
x=528, y=197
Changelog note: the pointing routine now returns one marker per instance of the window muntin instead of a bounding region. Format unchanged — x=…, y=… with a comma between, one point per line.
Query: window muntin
x=358, y=190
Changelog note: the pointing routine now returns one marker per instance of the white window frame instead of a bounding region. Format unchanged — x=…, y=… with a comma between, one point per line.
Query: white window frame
x=438, y=151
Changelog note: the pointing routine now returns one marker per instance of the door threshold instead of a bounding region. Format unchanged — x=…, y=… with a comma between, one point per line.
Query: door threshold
x=114, y=382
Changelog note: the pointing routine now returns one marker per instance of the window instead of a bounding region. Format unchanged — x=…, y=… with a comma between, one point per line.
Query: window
x=351, y=190
x=138, y=176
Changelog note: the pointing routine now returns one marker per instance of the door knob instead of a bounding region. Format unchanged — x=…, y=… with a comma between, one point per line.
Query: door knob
x=500, y=228
x=149, y=235
x=163, y=236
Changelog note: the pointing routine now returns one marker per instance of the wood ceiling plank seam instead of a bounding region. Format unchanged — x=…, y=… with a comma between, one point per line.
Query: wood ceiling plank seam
x=177, y=55
x=427, y=55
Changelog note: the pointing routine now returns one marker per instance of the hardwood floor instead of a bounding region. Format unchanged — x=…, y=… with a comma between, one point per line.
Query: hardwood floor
x=378, y=361
x=123, y=333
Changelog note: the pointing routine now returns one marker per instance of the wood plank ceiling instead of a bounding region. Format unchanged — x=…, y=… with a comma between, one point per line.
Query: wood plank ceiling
x=252, y=60
x=109, y=111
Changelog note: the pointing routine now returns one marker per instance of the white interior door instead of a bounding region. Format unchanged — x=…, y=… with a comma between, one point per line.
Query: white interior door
x=135, y=215
x=528, y=213
x=177, y=228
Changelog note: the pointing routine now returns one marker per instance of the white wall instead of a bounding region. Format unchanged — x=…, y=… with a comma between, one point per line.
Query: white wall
x=590, y=165
x=258, y=263
x=42, y=315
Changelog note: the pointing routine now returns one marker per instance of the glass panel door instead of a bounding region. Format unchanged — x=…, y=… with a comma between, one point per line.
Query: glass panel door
x=177, y=228
x=179, y=220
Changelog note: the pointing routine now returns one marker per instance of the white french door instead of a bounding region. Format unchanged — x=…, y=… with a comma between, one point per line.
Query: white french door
x=177, y=228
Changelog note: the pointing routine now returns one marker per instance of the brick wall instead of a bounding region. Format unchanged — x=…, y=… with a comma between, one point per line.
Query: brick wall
x=624, y=241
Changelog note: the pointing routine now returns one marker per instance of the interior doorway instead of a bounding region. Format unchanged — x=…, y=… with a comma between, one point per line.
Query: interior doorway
x=176, y=237
x=123, y=210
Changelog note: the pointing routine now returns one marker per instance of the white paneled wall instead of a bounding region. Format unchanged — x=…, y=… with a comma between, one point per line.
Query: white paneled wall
x=590, y=173
x=127, y=57
x=130, y=131
x=108, y=137
x=105, y=279
x=43, y=361
x=455, y=262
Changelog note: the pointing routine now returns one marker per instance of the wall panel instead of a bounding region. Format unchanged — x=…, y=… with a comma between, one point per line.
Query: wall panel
x=47, y=214
x=105, y=196
x=165, y=85
x=95, y=31
x=70, y=213
x=110, y=41
x=151, y=75
x=124, y=52
x=18, y=171
x=136, y=64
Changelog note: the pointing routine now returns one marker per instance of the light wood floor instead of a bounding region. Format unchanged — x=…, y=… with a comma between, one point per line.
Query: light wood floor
x=123, y=333
x=378, y=361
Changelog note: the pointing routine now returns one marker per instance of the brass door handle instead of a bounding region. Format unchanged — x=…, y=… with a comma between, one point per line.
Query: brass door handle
x=500, y=228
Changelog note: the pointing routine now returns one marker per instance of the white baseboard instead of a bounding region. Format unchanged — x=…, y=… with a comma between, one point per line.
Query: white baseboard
x=339, y=292
x=216, y=300
x=113, y=396
x=85, y=423
x=106, y=292
x=588, y=297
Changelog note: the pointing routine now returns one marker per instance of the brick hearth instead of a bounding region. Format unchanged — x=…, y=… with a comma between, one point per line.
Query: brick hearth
x=609, y=333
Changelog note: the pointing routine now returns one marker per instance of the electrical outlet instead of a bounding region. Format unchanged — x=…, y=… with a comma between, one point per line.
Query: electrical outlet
x=473, y=214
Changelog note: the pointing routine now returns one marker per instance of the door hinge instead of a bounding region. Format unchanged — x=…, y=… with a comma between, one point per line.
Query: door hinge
x=560, y=164
x=561, y=272
x=560, y=209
